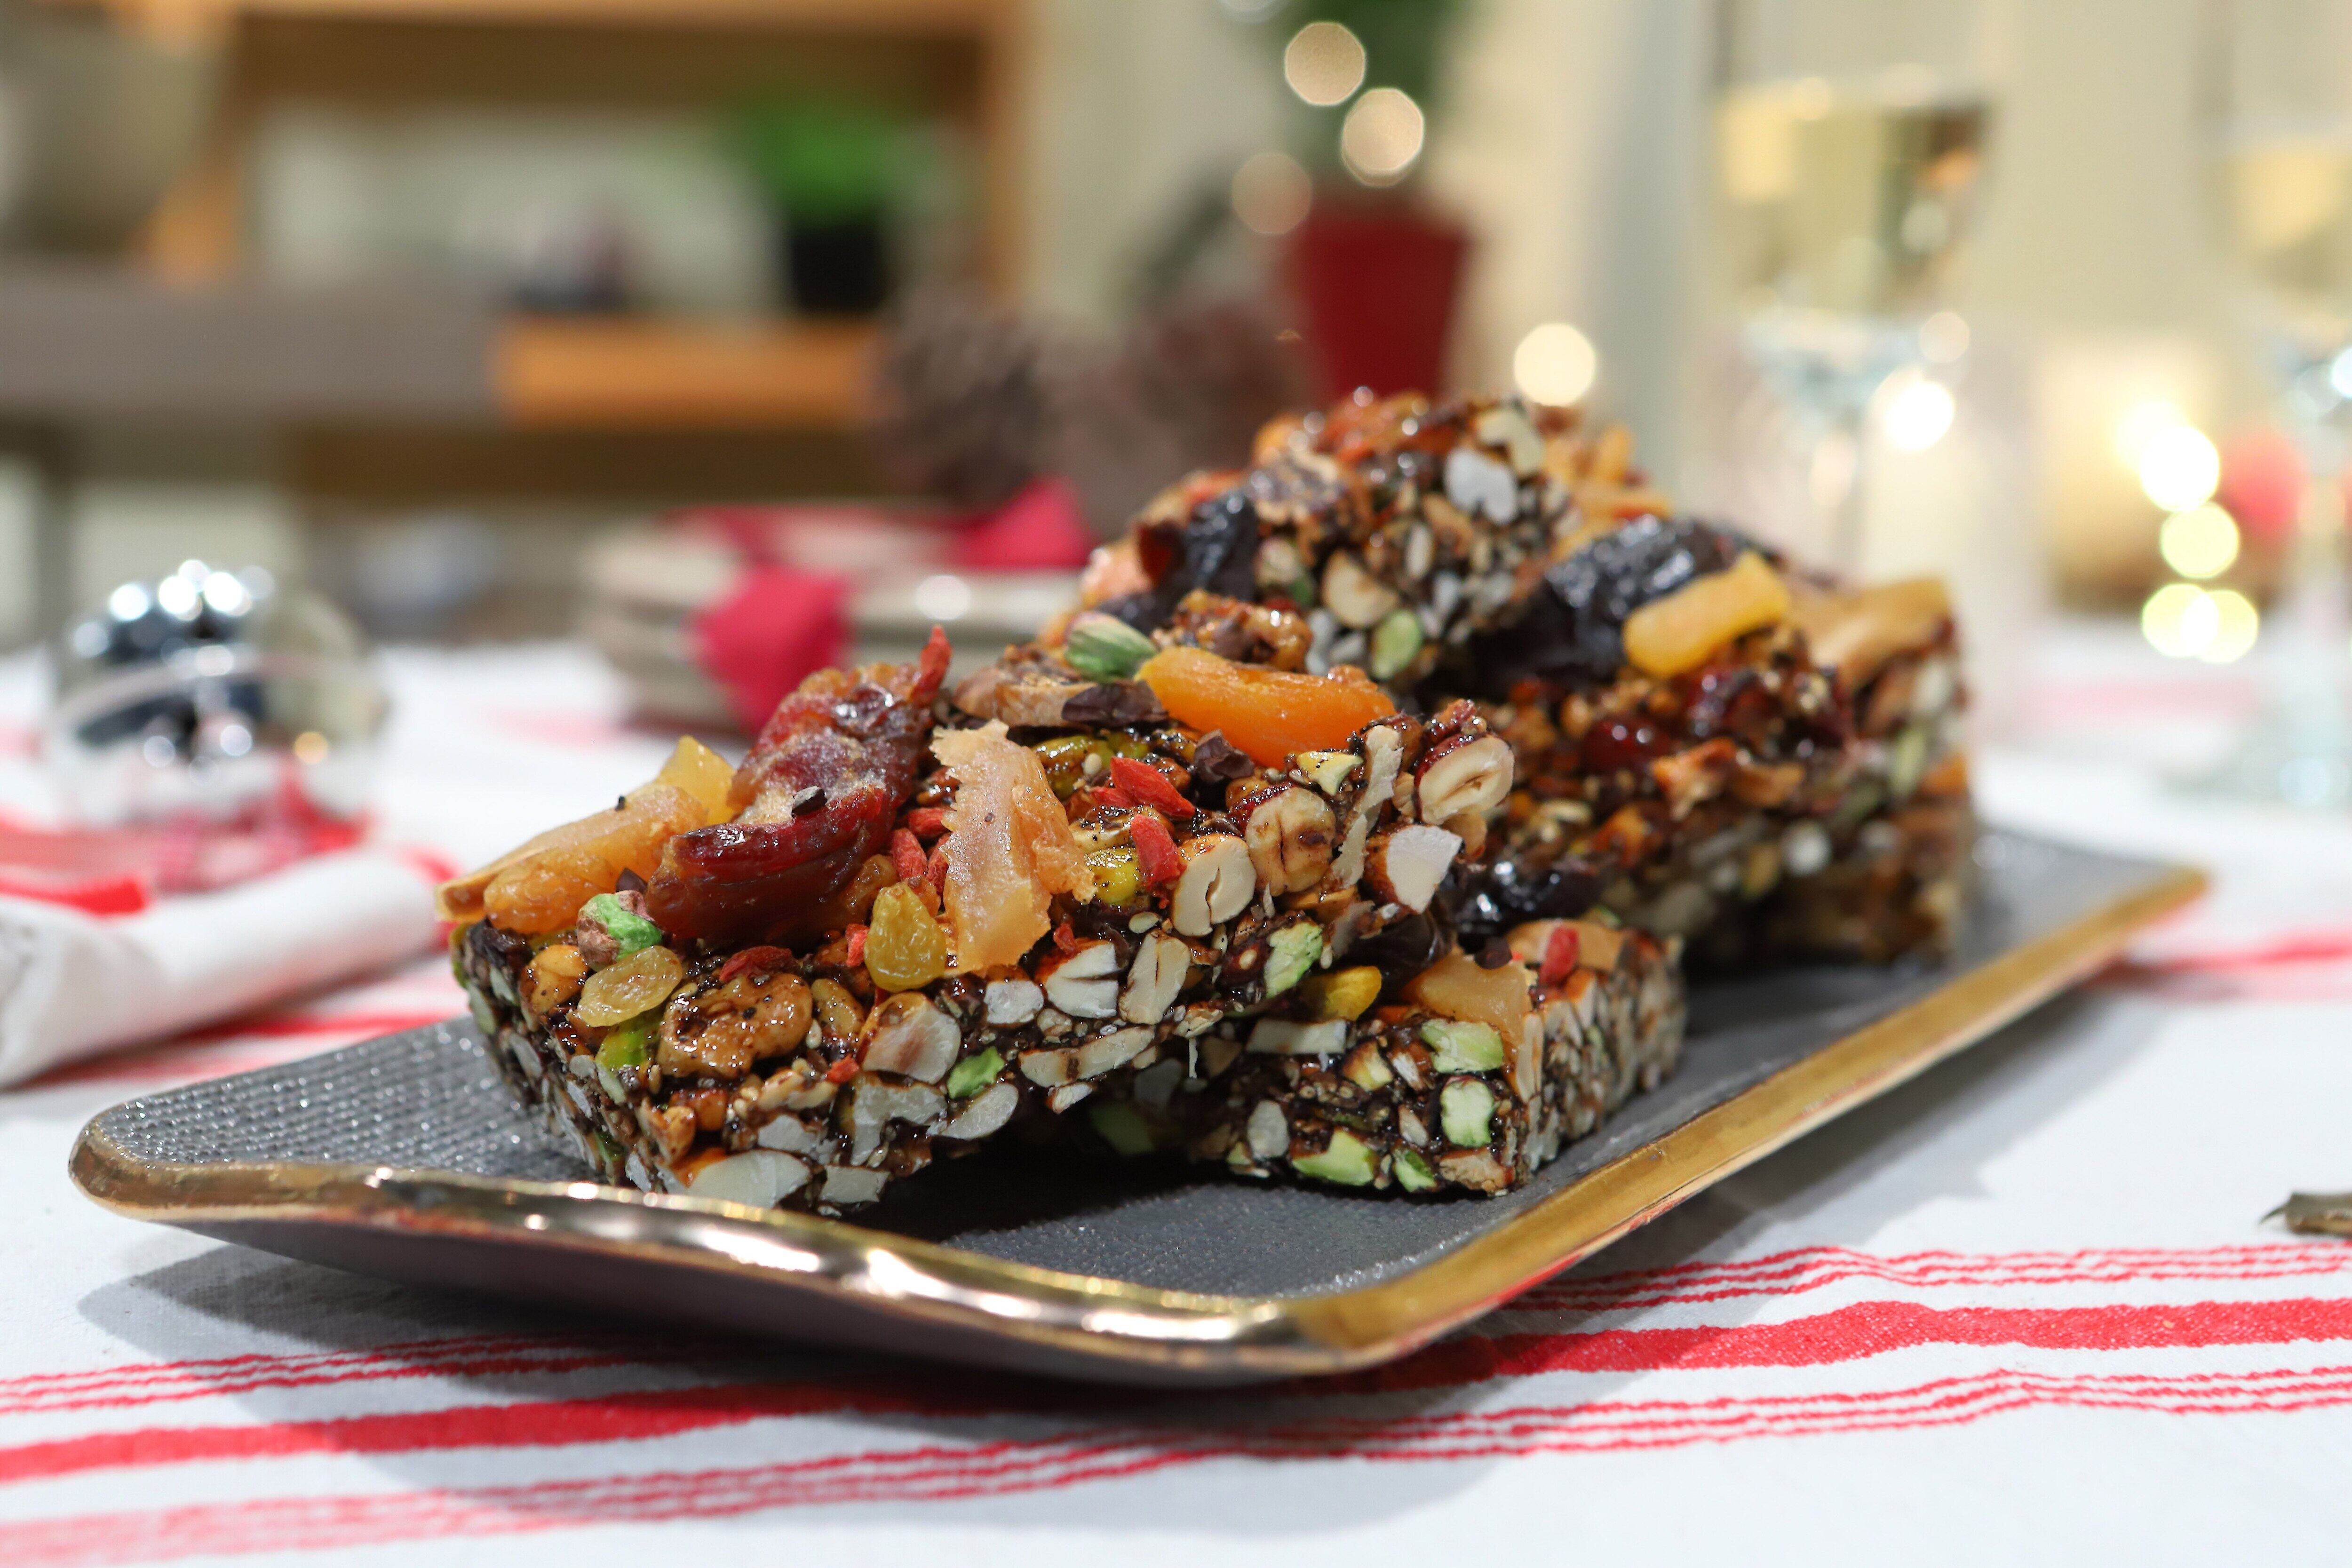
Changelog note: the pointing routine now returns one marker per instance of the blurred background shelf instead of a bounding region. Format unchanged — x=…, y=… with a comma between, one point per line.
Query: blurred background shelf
x=640, y=376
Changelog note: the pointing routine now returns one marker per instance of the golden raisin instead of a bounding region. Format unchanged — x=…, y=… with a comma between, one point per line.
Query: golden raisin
x=1668, y=636
x=638, y=984
x=905, y=947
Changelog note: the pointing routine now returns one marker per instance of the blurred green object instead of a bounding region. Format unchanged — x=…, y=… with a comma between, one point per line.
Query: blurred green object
x=825, y=161
x=834, y=169
x=1403, y=39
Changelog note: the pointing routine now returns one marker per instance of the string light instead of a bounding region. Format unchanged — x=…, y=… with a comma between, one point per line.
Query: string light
x=1917, y=417
x=1381, y=136
x=2179, y=620
x=2179, y=469
x=1271, y=193
x=2236, y=625
x=2201, y=542
x=1324, y=63
x=1555, y=364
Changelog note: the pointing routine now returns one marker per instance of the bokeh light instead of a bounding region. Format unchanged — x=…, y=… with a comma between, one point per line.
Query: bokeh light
x=2140, y=422
x=1555, y=364
x=2236, y=625
x=1324, y=63
x=2179, y=620
x=1271, y=193
x=1943, y=337
x=1381, y=136
x=2199, y=542
x=945, y=597
x=1917, y=417
x=2179, y=469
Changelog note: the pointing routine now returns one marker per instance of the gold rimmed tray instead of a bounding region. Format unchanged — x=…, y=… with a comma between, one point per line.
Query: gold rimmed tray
x=406, y=1157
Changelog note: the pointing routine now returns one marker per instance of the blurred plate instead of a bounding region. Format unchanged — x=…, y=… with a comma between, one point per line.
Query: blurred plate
x=645, y=584
x=406, y=1157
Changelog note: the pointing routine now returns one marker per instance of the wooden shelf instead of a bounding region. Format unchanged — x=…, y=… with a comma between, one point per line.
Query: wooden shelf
x=557, y=375
x=184, y=18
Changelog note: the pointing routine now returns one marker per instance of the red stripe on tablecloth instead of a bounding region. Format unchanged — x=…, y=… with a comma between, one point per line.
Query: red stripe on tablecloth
x=1847, y=1334
x=1813, y=1268
x=2326, y=946
x=1864, y=1329
x=288, y=1024
x=636, y=1416
x=942, y=1473
x=184, y=1057
x=157, y=1383
x=1793, y=1272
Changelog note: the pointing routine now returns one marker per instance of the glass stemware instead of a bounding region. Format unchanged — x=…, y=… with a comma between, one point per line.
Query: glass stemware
x=1850, y=145
x=2279, y=90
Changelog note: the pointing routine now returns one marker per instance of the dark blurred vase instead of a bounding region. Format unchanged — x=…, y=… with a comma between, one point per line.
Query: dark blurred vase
x=840, y=267
x=1378, y=285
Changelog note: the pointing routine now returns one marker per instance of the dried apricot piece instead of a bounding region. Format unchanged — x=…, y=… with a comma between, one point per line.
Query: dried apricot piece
x=1271, y=714
x=1668, y=636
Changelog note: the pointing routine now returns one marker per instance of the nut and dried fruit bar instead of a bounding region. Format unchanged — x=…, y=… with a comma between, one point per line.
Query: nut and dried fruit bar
x=1196, y=886
x=1422, y=1101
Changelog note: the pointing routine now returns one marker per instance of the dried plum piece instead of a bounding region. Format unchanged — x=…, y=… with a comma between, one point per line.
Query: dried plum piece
x=1572, y=631
x=1510, y=892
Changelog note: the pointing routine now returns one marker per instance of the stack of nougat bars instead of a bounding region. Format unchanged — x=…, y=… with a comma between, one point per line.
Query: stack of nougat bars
x=1355, y=828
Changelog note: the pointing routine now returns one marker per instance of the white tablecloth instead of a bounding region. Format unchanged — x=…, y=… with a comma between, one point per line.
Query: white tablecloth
x=2024, y=1309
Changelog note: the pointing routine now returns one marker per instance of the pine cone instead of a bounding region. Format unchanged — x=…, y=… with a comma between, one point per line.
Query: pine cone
x=965, y=410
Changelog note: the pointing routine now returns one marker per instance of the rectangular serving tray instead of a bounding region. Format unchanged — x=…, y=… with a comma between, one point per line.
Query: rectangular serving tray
x=406, y=1157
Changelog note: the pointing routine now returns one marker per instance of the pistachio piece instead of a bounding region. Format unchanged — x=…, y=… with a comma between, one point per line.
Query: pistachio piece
x=1473, y=776
x=1084, y=983
x=1122, y=1127
x=1354, y=596
x=1216, y=884
x=1347, y=1159
x=1291, y=837
x=1329, y=769
x=612, y=926
x=1291, y=952
x=1412, y=1171
x=974, y=1073
x=1154, y=978
x=1105, y=646
x=1396, y=642
x=1465, y=1109
x=1405, y=866
x=909, y=1036
x=1458, y=1046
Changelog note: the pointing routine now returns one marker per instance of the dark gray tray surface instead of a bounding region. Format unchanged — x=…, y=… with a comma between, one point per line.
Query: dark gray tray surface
x=428, y=1099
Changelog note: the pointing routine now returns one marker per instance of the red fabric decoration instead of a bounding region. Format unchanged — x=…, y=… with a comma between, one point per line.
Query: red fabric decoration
x=778, y=626
x=1039, y=530
x=2262, y=483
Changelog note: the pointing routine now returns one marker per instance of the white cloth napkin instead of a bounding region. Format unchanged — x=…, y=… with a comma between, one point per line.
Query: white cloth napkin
x=73, y=985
